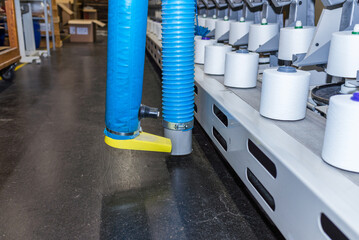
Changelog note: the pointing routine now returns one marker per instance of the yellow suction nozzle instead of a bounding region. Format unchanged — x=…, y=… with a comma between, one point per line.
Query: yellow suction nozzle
x=144, y=142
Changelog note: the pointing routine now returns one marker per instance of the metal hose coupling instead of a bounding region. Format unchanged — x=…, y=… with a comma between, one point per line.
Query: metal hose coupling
x=148, y=112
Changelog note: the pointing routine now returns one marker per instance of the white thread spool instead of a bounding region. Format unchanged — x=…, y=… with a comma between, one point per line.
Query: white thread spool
x=341, y=132
x=155, y=28
x=237, y=30
x=211, y=23
x=343, y=58
x=294, y=40
x=259, y=34
x=284, y=93
x=199, y=48
x=201, y=21
x=241, y=69
x=159, y=31
x=215, y=58
x=222, y=27
x=150, y=26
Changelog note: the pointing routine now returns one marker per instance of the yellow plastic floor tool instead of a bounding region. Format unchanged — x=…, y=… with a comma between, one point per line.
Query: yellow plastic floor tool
x=144, y=142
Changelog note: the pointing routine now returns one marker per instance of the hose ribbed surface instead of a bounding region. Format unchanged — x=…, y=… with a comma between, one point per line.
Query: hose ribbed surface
x=178, y=60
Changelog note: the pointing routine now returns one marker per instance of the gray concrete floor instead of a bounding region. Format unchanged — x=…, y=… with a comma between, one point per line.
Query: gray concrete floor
x=58, y=180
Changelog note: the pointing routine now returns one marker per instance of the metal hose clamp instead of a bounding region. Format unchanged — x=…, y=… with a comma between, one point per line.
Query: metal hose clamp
x=123, y=134
x=178, y=126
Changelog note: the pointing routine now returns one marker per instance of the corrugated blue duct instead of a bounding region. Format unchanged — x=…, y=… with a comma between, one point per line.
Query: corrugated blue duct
x=127, y=20
x=178, y=72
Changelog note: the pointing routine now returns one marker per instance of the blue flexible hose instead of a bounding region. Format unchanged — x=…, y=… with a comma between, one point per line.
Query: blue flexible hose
x=125, y=64
x=178, y=60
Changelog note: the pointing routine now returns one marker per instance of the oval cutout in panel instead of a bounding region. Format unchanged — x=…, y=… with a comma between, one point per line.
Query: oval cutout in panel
x=219, y=138
x=267, y=197
x=332, y=231
x=220, y=115
x=262, y=158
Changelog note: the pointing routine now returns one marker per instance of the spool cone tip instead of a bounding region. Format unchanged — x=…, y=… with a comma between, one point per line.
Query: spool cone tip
x=356, y=29
x=298, y=24
x=355, y=97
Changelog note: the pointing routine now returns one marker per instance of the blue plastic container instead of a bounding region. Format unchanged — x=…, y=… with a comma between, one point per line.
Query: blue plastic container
x=37, y=33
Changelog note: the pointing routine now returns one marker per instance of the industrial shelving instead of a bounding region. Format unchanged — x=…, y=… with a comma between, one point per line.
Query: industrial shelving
x=10, y=55
x=24, y=20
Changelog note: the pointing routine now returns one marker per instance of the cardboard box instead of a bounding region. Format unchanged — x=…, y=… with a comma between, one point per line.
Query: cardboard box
x=82, y=30
x=66, y=12
x=90, y=13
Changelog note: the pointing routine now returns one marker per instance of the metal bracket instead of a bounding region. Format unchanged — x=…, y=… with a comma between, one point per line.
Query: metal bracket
x=178, y=126
x=224, y=37
x=318, y=51
x=235, y=4
x=211, y=33
x=355, y=83
x=122, y=134
x=242, y=41
x=270, y=46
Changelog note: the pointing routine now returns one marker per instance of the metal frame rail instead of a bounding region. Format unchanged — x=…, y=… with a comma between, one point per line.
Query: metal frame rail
x=303, y=196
